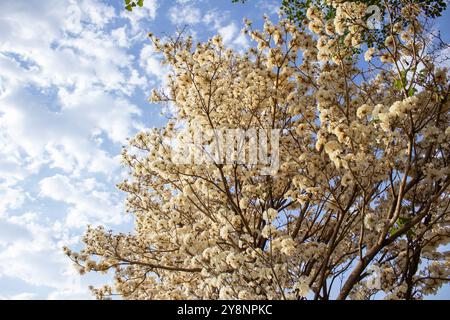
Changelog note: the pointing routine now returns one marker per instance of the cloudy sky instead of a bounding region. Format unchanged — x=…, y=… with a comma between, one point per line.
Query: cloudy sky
x=75, y=76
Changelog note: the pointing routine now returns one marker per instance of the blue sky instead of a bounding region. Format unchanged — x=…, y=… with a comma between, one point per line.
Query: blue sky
x=74, y=81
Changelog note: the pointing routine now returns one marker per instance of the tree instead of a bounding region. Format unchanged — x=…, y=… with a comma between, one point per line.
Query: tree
x=376, y=11
x=359, y=204
x=296, y=9
x=130, y=4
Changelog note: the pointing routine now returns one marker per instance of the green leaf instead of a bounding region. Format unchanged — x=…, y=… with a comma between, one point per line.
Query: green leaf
x=402, y=221
x=412, y=91
x=398, y=84
x=393, y=230
x=129, y=7
x=400, y=224
x=140, y=3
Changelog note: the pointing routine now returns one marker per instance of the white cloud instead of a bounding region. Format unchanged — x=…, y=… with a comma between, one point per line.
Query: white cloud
x=270, y=7
x=215, y=18
x=64, y=138
x=68, y=76
x=11, y=232
x=445, y=60
x=150, y=61
x=20, y=296
x=141, y=15
x=31, y=251
x=10, y=197
x=120, y=36
x=88, y=202
x=179, y=15
x=232, y=36
x=58, y=91
x=228, y=32
x=70, y=294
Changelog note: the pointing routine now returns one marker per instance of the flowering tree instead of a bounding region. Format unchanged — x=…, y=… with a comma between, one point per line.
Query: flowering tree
x=359, y=204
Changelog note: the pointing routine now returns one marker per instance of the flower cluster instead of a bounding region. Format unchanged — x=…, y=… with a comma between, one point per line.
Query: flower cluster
x=363, y=173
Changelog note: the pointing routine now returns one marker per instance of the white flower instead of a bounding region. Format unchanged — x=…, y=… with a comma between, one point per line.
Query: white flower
x=332, y=147
x=155, y=96
x=232, y=260
x=346, y=180
x=363, y=111
x=243, y=203
x=224, y=231
x=266, y=231
x=302, y=289
x=225, y=293
x=379, y=108
x=270, y=215
x=288, y=246
x=447, y=131
x=301, y=129
x=369, y=221
x=369, y=54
